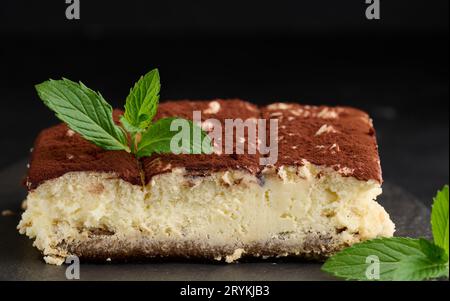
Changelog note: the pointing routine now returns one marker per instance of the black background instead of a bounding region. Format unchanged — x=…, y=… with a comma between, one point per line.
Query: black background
x=316, y=52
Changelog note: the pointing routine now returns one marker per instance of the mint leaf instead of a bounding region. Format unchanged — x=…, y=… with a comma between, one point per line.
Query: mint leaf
x=417, y=268
x=433, y=251
x=84, y=111
x=142, y=103
x=158, y=137
x=433, y=265
x=129, y=127
x=440, y=219
x=399, y=259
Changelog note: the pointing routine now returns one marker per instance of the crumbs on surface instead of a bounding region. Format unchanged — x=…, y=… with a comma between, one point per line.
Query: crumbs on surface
x=8, y=212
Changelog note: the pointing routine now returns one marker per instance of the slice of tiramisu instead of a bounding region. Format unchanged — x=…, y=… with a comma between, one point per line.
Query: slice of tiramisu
x=315, y=199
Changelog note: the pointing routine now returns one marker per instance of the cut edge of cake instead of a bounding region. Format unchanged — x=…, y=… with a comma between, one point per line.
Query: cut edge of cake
x=222, y=216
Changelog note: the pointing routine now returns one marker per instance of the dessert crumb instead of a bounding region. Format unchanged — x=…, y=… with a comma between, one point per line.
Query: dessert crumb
x=8, y=212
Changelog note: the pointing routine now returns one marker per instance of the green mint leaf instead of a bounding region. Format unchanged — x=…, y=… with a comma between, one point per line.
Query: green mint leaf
x=440, y=219
x=419, y=268
x=129, y=127
x=433, y=251
x=399, y=259
x=433, y=265
x=142, y=103
x=84, y=111
x=158, y=137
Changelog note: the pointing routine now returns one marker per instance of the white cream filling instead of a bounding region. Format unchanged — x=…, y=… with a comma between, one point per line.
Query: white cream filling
x=225, y=209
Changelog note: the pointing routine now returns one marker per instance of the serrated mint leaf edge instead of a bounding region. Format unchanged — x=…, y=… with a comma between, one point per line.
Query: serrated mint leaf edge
x=143, y=100
x=416, y=268
x=114, y=139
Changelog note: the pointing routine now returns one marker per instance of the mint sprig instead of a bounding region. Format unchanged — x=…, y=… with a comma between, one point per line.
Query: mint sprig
x=87, y=113
x=84, y=111
x=142, y=103
x=398, y=258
